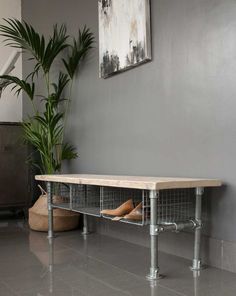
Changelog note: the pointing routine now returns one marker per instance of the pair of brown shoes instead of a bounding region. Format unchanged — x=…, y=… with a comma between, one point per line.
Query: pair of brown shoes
x=125, y=211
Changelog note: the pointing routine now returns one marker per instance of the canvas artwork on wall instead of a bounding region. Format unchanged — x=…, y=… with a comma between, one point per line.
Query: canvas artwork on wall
x=124, y=35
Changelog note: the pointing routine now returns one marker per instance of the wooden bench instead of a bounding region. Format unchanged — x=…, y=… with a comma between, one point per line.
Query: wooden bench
x=169, y=204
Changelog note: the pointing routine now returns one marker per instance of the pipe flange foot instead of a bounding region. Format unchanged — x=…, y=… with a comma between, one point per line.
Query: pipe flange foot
x=157, y=277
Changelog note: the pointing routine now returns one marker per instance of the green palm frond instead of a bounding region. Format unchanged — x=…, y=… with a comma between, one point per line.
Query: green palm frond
x=45, y=129
x=55, y=45
x=49, y=122
x=68, y=152
x=44, y=141
x=59, y=87
x=3, y=84
x=33, y=134
x=79, y=50
x=22, y=35
x=19, y=85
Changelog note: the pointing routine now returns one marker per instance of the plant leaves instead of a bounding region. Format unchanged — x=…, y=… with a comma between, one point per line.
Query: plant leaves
x=22, y=35
x=19, y=85
x=79, y=49
x=68, y=152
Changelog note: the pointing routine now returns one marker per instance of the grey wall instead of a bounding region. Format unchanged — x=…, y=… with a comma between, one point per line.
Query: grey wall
x=174, y=116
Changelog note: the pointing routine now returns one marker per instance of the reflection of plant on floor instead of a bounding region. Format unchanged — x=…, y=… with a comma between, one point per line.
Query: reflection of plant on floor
x=45, y=130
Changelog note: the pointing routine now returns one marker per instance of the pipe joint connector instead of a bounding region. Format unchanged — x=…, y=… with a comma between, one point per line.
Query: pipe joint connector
x=197, y=223
x=155, y=229
x=154, y=194
x=199, y=191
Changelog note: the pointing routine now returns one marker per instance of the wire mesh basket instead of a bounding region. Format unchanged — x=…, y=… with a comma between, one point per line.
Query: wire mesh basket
x=61, y=195
x=113, y=197
x=86, y=199
x=80, y=198
x=175, y=205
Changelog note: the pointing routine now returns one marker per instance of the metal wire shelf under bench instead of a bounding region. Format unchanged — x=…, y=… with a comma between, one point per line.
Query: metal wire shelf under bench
x=168, y=204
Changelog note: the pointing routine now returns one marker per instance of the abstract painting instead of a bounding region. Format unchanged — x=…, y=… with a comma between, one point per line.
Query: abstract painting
x=124, y=35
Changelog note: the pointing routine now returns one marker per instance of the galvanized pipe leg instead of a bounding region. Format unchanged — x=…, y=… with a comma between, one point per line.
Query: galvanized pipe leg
x=85, y=217
x=50, y=210
x=154, y=269
x=51, y=264
x=85, y=225
x=154, y=232
x=197, y=240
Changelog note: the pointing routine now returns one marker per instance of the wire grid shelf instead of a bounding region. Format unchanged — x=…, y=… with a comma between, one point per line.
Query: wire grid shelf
x=175, y=205
x=61, y=195
x=113, y=197
x=84, y=199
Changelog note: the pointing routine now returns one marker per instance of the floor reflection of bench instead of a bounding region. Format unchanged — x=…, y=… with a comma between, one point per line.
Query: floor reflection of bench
x=169, y=204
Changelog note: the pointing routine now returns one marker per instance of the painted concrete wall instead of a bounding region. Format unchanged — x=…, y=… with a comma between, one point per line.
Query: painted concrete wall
x=174, y=116
x=10, y=105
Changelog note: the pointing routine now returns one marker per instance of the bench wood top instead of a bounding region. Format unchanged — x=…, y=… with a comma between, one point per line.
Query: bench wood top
x=149, y=183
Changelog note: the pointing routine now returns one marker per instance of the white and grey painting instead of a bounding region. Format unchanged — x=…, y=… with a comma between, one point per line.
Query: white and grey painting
x=124, y=35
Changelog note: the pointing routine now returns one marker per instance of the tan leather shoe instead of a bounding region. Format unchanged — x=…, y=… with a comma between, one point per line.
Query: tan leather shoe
x=122, y=210
x=136, y=214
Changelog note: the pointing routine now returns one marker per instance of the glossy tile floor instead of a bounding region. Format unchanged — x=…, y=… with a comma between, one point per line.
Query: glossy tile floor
x=97, y=265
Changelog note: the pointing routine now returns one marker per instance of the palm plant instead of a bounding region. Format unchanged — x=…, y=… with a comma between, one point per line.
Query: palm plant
x=45, y=130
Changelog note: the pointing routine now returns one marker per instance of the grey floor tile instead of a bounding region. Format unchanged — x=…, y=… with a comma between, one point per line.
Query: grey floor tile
x=56, y=289
x=19, y=267
x=6, y=291
x=95, y=266
x=229, y=255
x=184, y=282
x=150, y=290
x=29, y=280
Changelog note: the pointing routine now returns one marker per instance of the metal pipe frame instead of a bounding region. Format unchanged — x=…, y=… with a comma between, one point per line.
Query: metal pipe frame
x=178, y=226
x=51, y=264
x=197, y=237
x=85, y=225
x=85, y=217
x=50, y=210
x=154, y=232
x=71, y=196
x=155, y=229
